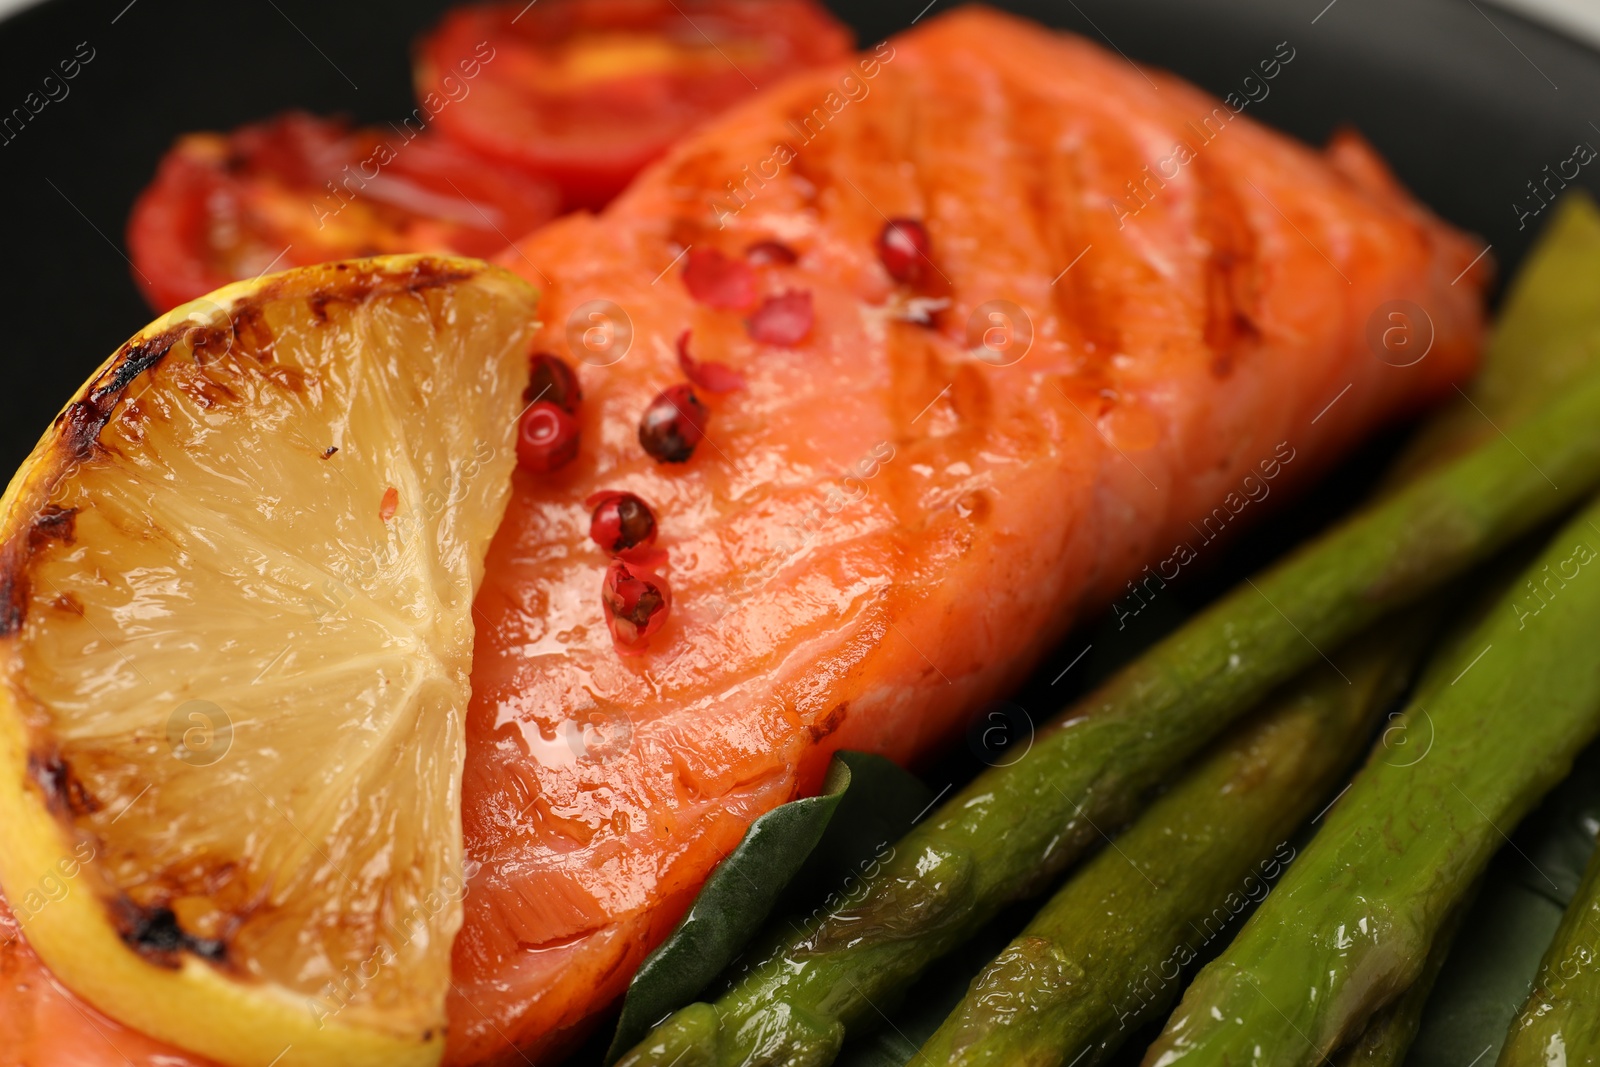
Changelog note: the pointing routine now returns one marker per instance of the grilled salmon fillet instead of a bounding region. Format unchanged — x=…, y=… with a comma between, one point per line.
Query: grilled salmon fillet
x=896, y=515
x=891, y=523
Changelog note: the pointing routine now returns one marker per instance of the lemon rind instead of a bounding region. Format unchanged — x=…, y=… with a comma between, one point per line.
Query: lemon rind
x=232, y=1022
x=194, y=1006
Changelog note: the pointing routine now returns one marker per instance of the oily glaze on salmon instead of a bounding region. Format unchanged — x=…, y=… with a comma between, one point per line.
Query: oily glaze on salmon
x=42, y=1024
x=882, y=530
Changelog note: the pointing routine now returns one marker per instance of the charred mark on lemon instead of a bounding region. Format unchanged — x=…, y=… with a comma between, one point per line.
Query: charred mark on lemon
x=13, y=602
x=155, y=934
x=65, y=795
x=83, y=419
x=53, y=523
x=362, y=283
x=250, y=329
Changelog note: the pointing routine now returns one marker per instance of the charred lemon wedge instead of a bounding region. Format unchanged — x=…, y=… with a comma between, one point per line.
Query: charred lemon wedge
x=235, y=635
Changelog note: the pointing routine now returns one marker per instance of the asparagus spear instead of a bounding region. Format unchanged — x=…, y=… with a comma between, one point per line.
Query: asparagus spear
x=1560, y=1023
x=1546, y=337
x=1106, y=955
x=1388, y=1036
x=1124, y=943
x=1013, y=828
x=1390, y=1033
x=1350, y=927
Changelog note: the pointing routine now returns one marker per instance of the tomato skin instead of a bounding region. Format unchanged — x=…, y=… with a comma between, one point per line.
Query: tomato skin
x=296, y=190
x=167, y=230
x=587, y=92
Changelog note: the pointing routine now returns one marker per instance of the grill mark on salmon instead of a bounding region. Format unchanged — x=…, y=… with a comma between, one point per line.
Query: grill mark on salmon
x=1230, y=325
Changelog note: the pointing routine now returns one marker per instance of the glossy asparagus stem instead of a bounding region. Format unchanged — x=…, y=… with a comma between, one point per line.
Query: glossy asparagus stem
x=1560, y=1023
x=1546, y=337
x=1108, y=953
x=1015, y=827
x=1350, y=927
x=1388, y=1037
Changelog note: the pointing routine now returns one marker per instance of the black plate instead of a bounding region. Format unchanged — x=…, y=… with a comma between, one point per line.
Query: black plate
x=1469, y=103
